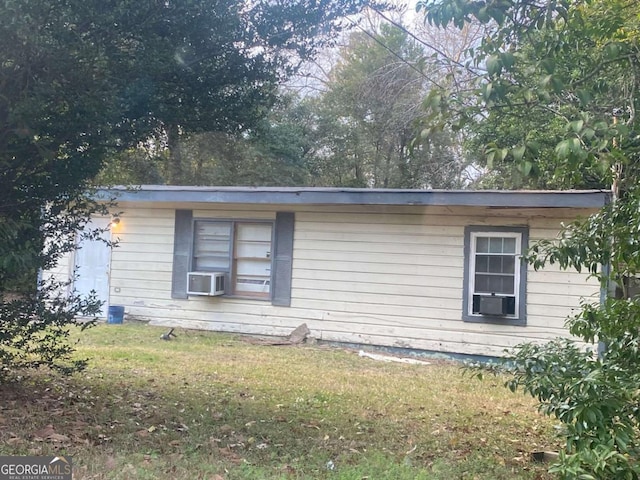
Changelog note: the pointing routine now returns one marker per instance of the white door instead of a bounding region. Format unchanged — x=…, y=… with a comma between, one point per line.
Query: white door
x=92, y=264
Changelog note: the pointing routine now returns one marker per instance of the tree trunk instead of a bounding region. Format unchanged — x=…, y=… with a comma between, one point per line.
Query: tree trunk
x=175, y=173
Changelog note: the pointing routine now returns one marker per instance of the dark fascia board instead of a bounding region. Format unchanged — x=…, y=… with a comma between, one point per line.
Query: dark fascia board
x=358, y=196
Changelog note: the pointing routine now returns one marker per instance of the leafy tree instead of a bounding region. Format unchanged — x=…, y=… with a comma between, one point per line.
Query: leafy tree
x=573, y=66
x=274, y=152
x=366, y=118
x=82, y=80
x=558, y=79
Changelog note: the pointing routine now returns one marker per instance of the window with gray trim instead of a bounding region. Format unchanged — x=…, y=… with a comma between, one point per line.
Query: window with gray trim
x=495, y=275
x=282, y=257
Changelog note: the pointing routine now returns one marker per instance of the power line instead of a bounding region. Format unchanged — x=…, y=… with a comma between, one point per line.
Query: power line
x=395, y=54
x=419, y=40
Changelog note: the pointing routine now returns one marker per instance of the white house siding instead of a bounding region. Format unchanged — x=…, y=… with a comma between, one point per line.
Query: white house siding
x=389, y=276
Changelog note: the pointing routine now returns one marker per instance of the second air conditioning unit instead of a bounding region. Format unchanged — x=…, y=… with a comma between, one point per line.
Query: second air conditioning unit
x=493, y=305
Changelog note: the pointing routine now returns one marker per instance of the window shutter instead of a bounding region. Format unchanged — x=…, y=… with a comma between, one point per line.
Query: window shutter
x=182, y=238
x=283, y=261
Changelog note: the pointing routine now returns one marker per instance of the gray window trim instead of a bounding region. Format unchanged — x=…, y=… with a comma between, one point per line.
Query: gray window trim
x=521, y=318
x=281, y=255
x=182, y=242
x=282, y=271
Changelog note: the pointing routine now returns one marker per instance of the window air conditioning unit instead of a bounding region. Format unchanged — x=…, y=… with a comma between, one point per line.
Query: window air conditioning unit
x=493, y=305
x=205, y=283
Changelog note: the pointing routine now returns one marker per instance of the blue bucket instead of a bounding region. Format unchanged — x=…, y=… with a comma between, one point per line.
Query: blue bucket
x=115, y=314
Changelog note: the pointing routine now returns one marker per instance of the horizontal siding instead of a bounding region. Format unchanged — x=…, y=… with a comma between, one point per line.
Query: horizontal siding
x=437, y=258
x=446, y=266
x=450, y=278
x=375, y=275
x=123, y=257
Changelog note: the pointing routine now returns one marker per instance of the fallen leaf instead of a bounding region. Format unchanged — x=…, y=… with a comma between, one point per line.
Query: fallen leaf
x=48, y=433
x=230, y=455
x=289, y=469
x=42, y=434
x=226, y=429
x=56, y=437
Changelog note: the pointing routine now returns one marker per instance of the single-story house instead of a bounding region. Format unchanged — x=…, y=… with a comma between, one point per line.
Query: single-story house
x=422, y=269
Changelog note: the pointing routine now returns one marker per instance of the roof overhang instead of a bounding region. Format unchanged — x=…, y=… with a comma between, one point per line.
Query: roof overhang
x=358, y=196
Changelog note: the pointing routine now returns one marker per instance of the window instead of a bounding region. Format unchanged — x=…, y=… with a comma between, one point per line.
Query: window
x=210, y=244
x=495, y=276
x=240, y=249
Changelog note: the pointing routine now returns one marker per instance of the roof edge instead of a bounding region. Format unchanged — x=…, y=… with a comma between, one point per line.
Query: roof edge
x=357, y=196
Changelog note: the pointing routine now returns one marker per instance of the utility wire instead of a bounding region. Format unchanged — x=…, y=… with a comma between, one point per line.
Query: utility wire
x=395, y=54
x=419, y=40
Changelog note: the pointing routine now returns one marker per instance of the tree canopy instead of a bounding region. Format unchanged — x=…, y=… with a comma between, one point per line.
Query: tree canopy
x=366, y=117
x=357, y=130
x=83, y=79
x=557, y=80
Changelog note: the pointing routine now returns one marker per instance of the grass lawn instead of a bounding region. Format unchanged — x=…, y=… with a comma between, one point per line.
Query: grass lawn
x=212, y=406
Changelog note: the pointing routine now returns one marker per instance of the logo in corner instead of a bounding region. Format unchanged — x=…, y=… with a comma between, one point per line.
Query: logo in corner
x=35, y=468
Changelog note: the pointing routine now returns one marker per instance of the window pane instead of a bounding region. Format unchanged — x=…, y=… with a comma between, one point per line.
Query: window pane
x=495, y=284
x=482, y=244
x=501, y=284
x=252, y=267
x=213, y=229
x=253, y=240
x=212, y=246
x=495, y=264
x=509, y=245
x=482, y=284
x=504, y=284
x=495, y=245
x=482, y=263
x=509, y=264
x=254, y=232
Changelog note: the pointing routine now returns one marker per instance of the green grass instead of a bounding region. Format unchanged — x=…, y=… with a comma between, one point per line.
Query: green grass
x=213, y=406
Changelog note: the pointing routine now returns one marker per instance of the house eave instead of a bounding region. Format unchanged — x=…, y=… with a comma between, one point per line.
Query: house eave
x=357, y=196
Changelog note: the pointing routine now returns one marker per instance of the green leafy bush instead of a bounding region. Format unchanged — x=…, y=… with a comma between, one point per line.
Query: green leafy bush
x=594, y=392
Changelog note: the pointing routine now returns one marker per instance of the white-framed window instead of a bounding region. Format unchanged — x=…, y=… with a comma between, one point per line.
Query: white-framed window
x=240, y=248
x=495, y=275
